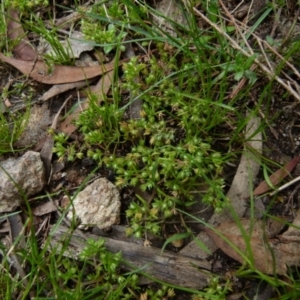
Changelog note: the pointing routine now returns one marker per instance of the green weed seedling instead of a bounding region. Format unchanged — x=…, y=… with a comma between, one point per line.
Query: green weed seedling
x=105, y=22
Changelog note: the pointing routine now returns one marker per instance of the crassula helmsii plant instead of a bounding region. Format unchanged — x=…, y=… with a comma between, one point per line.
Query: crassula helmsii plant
x=166, y=151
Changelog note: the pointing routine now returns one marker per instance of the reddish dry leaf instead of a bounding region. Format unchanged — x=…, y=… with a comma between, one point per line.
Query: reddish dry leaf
x=269, y=255
x=276, y=177
x=23, y=50
x=59, y=74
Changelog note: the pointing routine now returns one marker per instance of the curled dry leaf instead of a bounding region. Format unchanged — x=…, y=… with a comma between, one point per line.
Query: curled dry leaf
x=61, y=88
x=40, y=72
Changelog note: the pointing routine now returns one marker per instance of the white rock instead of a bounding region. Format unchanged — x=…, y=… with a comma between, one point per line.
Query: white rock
x=97, y=205
x=18, y=177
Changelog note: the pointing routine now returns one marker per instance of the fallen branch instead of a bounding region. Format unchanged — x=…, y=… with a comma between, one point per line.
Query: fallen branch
x=168, y=267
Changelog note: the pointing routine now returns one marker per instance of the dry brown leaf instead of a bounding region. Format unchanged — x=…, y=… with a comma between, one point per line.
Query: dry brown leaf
x=17, y=238
x=103, y=86
x=59, y=74
x=276, y=177
x=45, y=208
x=100, y=90
x=23, y=50
x=287, y=254
x=67, y=126
x=61, y=88
x=270, y=255
x=248, y=169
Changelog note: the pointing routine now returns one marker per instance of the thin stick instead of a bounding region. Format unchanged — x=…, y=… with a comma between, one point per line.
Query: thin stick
x=285, y=186
x=265, y=55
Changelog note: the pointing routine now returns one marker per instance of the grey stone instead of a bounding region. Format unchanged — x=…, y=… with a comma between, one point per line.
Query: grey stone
x=35, y=128
x=97, y=205
x=19, y=177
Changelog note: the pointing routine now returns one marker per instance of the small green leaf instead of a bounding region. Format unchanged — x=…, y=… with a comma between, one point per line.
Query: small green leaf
x=238, y=75
x=267, y=178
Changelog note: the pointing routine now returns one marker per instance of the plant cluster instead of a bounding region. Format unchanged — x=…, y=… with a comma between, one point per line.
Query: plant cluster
x=105, y=266
x=26, y=5
x=167, y=151
x=104, y=23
